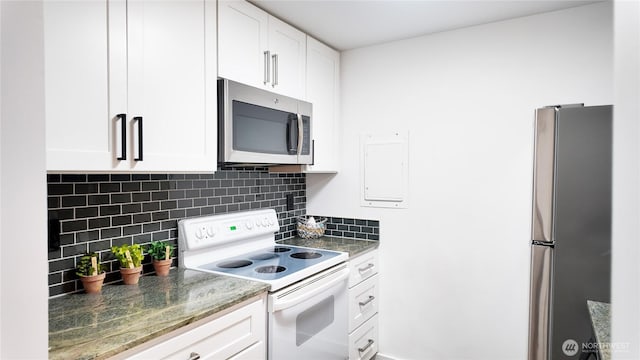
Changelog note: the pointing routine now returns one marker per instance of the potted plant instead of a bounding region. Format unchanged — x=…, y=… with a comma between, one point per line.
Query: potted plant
x=130, y=258
x=91, y=273
x=161, y=252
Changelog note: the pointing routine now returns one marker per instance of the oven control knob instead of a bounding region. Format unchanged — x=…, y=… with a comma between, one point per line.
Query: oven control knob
x=249, y=225
x=199, y=234
x=211, y=231
x=264, y=222
x=258, y=224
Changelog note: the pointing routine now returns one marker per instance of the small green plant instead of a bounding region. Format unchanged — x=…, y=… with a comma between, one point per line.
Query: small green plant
x=158, y=250
x=135, y=257
x=86, y=268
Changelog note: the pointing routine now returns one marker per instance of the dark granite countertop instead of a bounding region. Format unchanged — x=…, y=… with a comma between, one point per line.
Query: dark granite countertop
x=601, y=321
x=353, y=246
x=83, y=326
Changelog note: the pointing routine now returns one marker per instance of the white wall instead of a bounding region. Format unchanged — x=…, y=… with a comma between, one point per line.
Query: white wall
x=625, y=296
x=455, y=265
x=23, y=193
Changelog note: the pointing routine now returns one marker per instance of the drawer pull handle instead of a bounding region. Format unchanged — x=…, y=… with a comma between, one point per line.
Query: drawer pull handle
x=194, y=356
x=366, y=347
x=366, y=268
x=370, y=299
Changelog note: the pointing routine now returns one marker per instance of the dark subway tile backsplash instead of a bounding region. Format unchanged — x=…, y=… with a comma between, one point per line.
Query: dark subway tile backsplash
x=96, y=211
x=352, y=228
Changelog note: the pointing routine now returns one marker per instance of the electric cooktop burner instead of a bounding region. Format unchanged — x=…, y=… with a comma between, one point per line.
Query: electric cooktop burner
x=270, y=269
x=264, y=256
x=280, y=249
x=306, y=255
x=234, y=264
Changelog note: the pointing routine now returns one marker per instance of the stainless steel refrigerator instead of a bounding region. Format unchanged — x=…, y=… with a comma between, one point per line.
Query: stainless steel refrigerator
x=571, y=227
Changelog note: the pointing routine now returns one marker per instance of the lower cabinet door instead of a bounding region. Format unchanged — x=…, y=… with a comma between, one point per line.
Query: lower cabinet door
x=363, y=342
x=238, y=335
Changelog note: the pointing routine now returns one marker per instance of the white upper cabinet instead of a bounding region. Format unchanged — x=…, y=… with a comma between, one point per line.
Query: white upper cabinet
x=257, y=49
x=242, y=43
x=288, y=58
x=323, y=91
x=78, y=130
x=156, y=64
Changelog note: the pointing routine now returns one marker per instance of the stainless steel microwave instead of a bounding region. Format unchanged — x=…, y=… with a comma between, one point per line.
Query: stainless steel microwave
x=256, y=126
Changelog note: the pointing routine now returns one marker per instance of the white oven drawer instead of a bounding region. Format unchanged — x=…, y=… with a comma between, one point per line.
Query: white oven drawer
x=363, y=343
x=363, y=302
x=363, y=267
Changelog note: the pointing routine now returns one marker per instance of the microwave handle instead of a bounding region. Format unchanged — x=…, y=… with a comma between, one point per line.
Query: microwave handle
x=300, y=134
x=291, y=133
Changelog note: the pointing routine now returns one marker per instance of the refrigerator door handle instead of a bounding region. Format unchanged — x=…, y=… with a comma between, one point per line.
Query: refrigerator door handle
x=543, y=175
x=540, y=302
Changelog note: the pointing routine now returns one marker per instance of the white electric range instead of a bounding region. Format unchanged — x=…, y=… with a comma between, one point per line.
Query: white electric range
x=307, y=303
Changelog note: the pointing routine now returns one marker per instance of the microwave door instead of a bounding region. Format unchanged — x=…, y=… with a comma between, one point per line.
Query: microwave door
x=261, y=135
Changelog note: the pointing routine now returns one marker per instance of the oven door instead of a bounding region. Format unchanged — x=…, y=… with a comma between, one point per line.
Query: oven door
x=308, y=320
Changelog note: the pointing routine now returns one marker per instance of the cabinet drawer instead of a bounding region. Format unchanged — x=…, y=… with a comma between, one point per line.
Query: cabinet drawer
x=363, y=267
x=255, y=351
x=363, y=343
x=231, y=334
x=363, y=302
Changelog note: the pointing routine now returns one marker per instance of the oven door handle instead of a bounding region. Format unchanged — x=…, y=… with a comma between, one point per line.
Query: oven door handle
x=337, y=278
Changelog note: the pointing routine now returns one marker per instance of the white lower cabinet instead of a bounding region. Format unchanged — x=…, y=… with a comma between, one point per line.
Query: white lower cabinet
x=363, y=306
x=238, y=334
x=363, y=342
x=363, y=301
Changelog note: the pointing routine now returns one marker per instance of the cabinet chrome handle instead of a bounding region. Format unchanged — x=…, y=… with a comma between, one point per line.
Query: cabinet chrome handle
x=139, y=120
x=370, y=299
x=275, y=70
x=267, y=58
x=123, y=136
x=194, y=356
x=368, y=267
x=366, y=347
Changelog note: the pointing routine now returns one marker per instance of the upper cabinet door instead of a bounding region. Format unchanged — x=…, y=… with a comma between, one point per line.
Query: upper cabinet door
x=323, y=91
x=257, y=49
x=172, y=84
x=243, y=50
x=79, y=129
x=135, y=89
x=288, y=58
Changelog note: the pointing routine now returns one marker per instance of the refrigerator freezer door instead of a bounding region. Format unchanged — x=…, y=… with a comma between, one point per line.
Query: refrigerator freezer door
x=543, y=175
x=540, y=301
x=582, y=222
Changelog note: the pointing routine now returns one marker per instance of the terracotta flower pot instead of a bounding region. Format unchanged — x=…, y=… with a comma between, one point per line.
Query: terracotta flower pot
x=130, y=276
x=93, y=284
x=162, y=267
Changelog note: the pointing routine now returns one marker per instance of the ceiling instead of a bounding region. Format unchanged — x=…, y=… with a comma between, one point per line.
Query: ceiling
x=350, y=24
